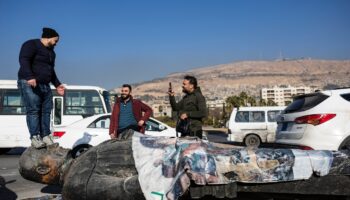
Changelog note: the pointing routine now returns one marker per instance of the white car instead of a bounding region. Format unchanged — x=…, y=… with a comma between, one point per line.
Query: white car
x=93, y=130
x=317, y=121
x=253, y=125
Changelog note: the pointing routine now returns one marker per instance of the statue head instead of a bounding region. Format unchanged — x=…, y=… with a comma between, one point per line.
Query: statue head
x=45, y=165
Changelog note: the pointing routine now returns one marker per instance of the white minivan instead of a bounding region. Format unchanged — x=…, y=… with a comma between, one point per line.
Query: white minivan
x=77, y=103
x=253, y=125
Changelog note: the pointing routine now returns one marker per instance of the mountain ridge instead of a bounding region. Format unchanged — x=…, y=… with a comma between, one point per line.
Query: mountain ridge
x=220, y=81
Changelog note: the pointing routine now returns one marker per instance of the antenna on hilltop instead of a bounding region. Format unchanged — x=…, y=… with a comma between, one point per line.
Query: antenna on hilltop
x=281, y=56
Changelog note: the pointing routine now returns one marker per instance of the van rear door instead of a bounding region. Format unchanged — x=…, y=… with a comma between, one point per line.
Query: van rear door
x=272, y=124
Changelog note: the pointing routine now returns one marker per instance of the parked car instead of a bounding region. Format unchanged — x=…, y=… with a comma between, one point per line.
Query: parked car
x=317, y=121
x=93, y=130
x=253, y=125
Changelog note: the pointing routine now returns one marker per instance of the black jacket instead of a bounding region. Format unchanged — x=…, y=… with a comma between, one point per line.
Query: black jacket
x=194, y=106
x=37, y=62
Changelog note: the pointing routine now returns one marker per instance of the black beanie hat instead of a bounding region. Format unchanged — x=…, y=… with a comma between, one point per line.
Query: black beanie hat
x=49, y=33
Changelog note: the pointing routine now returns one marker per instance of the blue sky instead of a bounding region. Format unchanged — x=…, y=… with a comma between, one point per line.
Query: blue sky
x=108, y=43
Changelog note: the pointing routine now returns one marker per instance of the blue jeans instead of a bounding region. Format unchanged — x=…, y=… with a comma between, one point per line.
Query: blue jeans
x=38, y=103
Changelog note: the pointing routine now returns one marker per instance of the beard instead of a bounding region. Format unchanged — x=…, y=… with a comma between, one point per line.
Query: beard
x=51, y=47
x=184, y=91
x=125, y=96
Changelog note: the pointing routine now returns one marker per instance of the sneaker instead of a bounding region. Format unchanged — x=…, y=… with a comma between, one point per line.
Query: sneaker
x=37, y=142
x=48, y=140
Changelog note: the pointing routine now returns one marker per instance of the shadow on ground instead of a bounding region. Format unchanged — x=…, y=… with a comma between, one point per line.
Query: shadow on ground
x=6, y=193
x=51, y=189
x=16, y=151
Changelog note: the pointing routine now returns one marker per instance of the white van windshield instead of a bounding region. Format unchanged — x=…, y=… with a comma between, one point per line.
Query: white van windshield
x=82, y=102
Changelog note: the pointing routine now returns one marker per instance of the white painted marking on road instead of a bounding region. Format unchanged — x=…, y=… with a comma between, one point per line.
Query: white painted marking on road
x=9, y=174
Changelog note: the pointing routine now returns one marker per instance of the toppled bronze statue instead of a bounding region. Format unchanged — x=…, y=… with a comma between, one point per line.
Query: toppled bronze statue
x=168, y=167
x=107, y=171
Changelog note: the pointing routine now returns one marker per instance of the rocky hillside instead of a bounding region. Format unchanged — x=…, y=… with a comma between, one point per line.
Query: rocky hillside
x=229, y=79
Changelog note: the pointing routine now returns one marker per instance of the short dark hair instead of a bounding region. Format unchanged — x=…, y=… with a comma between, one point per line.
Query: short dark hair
x=127, y=85
x=192, y=80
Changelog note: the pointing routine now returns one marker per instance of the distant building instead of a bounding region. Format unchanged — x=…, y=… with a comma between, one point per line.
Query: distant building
x=215, y=103
x=112, y=97
x=283, y=95
x=161, y=109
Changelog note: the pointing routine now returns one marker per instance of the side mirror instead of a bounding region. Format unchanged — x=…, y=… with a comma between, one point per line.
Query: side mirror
x=162, y=127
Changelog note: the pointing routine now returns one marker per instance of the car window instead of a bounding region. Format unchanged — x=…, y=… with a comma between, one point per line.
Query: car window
x=257, y=116
x=11, y=102
x=305, y=102
x=250, y=116
x=102, y=122
x=154, y=126
x=272, y=115
x=242, y=116
x=82, y=102
x=346, y=96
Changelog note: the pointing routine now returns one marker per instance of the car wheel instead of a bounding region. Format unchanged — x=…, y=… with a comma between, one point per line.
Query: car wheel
x=4, y=150
x=77, y=151
x=345, y=145
x=252, y=140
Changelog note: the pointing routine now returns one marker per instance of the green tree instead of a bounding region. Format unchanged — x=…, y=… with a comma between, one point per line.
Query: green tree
x=245, y=100
x=208, y=121
x=262, y=102
x=244, y=96
x=270, y=102
x=167, y=120
x=234, y=101
x=251, y=101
